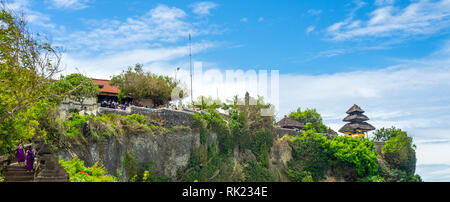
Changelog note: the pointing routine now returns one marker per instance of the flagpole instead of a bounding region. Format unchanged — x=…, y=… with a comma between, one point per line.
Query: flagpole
x=190, y=65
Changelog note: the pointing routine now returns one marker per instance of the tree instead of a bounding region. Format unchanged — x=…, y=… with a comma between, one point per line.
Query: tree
x=77, y=87
x=384, y=134
x=309, y=116
x=137, y=84
x=399, y=152
x=27, y=64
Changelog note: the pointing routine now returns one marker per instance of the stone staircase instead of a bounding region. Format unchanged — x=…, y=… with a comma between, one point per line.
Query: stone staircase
x=16, y=173
x=46, y=168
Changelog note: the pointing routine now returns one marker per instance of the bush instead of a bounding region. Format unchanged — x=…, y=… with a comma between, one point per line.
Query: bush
x=131, y=166
x=399, y=153
x=79, y=173
x=308, y=155
x=256, y=172
x=260, y=143
x=358, y=152
x=296, y=173
x=310, y=116
x=375, y=178
x=74, y=123
x=384, y=134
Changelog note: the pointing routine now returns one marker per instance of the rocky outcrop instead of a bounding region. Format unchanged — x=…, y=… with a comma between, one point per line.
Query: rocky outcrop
x=167, y=151
x=280, y=154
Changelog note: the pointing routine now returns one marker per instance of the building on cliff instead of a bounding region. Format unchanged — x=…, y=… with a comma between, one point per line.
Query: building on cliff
x=107, y=92
x=358, y=127
x=289, y=123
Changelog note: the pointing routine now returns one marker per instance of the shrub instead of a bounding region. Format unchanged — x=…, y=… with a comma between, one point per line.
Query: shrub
x=384, y=134
x=74, y=123
x=399, y=153
x=358, y=152
x=308, y=155
x=79, y=173
x=260, y=143
x=256, y=172
x=134, y=119
x=130, y=165
x=375, y=178
x=296, y=173
x=310, y=116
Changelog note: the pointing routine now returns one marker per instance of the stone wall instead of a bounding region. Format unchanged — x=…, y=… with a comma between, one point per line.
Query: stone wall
x=168, y=117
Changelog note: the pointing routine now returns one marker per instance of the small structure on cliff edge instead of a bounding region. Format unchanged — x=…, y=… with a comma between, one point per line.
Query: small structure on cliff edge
x=289, y=123
x=357, y=126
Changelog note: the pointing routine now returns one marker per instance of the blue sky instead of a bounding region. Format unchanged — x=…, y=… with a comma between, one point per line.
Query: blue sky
x=391, y=57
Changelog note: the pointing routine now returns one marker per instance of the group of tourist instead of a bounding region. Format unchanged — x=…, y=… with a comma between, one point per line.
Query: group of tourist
x=25, y=154
x=112, y=104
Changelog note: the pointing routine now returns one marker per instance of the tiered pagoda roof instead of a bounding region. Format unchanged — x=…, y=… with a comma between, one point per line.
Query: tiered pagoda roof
x=357, y=121
x=287, y=122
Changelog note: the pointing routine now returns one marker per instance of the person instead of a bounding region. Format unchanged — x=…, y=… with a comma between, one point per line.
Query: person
x=20, y=154
x=30, y=159
x=103, y=103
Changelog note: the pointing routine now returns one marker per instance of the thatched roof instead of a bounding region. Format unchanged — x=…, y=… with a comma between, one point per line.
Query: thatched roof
x=355, y=108
x=356, y=117
x=354, y=127
x=287, y=122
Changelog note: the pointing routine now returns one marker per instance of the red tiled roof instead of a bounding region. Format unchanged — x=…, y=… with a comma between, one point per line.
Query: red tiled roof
x=106, y=87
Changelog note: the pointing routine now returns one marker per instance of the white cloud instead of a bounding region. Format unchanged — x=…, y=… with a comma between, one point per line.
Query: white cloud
x=105, y=66
x=69, y=4
x=419, y=18
x=310, y=29
x=260, y=19
x=203, y=8
x=161, y=25
x=384, y=2
x=33, y=17
x=244, y=20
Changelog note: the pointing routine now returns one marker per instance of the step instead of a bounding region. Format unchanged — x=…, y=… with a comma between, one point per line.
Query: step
x=16, y=173
x=15, y=168
x=52, y=179
x=52, y=172
x=19, y=178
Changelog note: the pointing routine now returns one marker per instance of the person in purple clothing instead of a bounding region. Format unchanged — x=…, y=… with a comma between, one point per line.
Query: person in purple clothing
x=30, y=159
x=20, y=154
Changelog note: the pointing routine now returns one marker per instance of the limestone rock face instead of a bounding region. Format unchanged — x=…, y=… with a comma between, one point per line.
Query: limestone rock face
x=280, y=154
x=167, y=151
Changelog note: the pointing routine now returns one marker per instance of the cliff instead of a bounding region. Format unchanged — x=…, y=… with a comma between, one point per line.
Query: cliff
x=186, y=146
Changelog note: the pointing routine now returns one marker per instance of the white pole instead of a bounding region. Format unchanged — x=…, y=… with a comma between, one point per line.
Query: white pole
x=190, y=64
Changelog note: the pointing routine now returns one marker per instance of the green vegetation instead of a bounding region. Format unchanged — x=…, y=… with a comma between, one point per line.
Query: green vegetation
x=309, y=158
x=137, y=84
x=77, y=87
x=27, y=95
x=399, y=156
x=314, y=157
x=255, y=171
x=244, y=130
x=360, y=153
x=310, y=116
x=131, y=166
x=79, y=173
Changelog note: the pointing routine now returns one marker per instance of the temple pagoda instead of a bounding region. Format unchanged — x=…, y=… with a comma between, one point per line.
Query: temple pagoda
x=357, y=126
x=289, y=123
